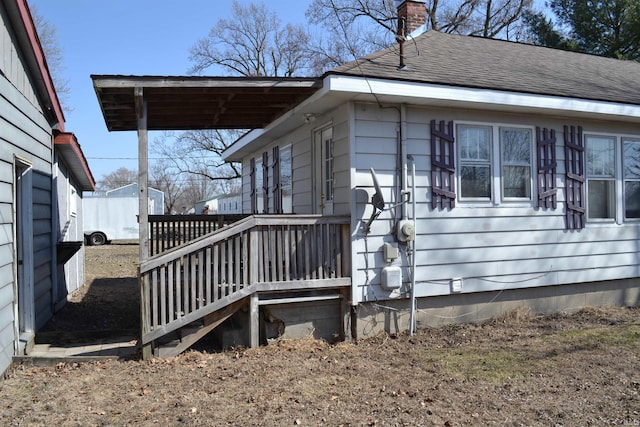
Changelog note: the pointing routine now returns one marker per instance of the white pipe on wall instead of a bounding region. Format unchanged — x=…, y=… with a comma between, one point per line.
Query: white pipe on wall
x=412, y=316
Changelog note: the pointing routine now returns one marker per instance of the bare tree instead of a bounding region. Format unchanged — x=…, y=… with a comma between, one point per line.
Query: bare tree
x=48, y=36
x=118, y=178
x=166, y=179
x=252, y=43
x=368, y=25
x=198, y=152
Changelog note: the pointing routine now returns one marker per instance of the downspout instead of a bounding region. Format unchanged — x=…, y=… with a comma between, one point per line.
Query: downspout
x=412, y=316
x=55, y=231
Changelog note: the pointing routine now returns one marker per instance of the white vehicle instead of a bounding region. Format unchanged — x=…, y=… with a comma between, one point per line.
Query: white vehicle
x=110, y=218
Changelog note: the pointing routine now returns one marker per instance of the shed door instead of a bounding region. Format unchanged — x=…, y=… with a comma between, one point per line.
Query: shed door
x=323, y=175
x=24, y=254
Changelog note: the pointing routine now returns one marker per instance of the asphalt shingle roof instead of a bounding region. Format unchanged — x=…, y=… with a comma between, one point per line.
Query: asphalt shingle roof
x=475, y=62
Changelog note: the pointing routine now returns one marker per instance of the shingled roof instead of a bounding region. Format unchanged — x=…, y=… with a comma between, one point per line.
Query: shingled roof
x=475, y=62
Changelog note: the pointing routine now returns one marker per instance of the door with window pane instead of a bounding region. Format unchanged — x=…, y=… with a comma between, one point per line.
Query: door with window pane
x=324, y=183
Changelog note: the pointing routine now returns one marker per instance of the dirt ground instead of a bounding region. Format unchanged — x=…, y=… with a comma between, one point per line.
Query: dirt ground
x=520, y=370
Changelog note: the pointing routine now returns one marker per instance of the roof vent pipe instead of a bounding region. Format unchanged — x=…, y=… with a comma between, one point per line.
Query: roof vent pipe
x=411, y=15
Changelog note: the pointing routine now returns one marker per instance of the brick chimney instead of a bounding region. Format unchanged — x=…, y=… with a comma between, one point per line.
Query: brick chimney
x=411, y=15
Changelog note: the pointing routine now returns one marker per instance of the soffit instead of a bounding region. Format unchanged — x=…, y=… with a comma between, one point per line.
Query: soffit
x=183, y=103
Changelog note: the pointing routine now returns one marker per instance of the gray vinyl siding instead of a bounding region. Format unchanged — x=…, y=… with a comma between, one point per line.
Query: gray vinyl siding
x=24, y=133
x=341, y=162
x=508, y=246
x=12, y=64
x=302, y=164
x=43, y=248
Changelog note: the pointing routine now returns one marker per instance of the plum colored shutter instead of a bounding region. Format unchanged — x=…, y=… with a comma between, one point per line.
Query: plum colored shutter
x=252, y=175
x=574, y=161
x=277, y=190
x=443, y=194
x=547, y=164
x=265, y=181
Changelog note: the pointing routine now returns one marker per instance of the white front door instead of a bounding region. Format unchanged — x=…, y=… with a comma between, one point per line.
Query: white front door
x=323, y=176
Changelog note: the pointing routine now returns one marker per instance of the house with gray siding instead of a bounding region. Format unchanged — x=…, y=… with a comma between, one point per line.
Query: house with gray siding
x=33, y=228
x=447, y=179
x=510, y=175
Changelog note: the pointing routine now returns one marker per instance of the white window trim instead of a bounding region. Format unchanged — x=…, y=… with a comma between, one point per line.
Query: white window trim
x=496, y=168
x=620, y=190
x=618, y=180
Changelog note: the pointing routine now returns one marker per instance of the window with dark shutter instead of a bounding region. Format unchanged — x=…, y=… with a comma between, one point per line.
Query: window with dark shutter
x=265, y=181
x=443, y=194
x=547, y=165
x=277, y=190
x=574, y=164
x=252, y=177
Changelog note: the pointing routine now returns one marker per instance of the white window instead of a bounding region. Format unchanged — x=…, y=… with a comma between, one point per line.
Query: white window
x=259, y=194
x=73, y=201
x=601, y=177
x=495, y=163
x=286, y=178
x=631, y=165
x=515, y=151
x=475, y=161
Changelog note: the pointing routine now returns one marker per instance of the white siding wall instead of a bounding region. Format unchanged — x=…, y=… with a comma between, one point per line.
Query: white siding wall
x=71, y=273
x=302, y=165
x=512, y=245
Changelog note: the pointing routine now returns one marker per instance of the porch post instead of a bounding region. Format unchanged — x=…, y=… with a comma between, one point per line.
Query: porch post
x=143, y=213
x=143, y=166
x=254, y=321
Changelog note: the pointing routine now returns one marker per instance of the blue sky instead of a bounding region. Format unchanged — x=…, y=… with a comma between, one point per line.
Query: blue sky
x=129, y=37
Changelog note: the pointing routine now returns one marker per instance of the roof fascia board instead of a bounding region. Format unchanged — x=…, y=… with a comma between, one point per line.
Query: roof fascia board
x=69, y=140
x=117, y=81
x=426, y=92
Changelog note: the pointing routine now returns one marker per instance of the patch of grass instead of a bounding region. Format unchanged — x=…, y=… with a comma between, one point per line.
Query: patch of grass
x=497, y=364
x=501, y=364
x=619, y=336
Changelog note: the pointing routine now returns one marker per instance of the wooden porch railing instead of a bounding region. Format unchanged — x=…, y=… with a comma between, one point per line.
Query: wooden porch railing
x=258, y=253
x=168, y=231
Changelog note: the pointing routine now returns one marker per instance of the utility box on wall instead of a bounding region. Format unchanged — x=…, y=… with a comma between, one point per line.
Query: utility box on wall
x=391, y=277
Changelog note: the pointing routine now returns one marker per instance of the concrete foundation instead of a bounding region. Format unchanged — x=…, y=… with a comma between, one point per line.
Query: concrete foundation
x=312, y=319
x=372, y=318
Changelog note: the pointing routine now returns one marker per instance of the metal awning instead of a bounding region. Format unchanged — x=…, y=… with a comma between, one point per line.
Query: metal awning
x=67, y=147
x=182, y=103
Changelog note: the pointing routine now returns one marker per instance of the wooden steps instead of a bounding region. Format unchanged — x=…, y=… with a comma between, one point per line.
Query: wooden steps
x=191, y=334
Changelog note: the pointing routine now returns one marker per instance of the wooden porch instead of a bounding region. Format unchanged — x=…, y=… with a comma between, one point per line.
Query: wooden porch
x=189, y=286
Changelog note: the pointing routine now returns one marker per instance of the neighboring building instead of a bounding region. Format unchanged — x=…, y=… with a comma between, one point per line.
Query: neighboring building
x=220, y=204
x=156, y=197
x=40, y=183
x=230, y=204
x=71, y=178
x=210, y=203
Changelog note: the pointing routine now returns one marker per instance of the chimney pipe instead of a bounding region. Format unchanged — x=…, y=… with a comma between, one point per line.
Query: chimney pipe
x=411, y=15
